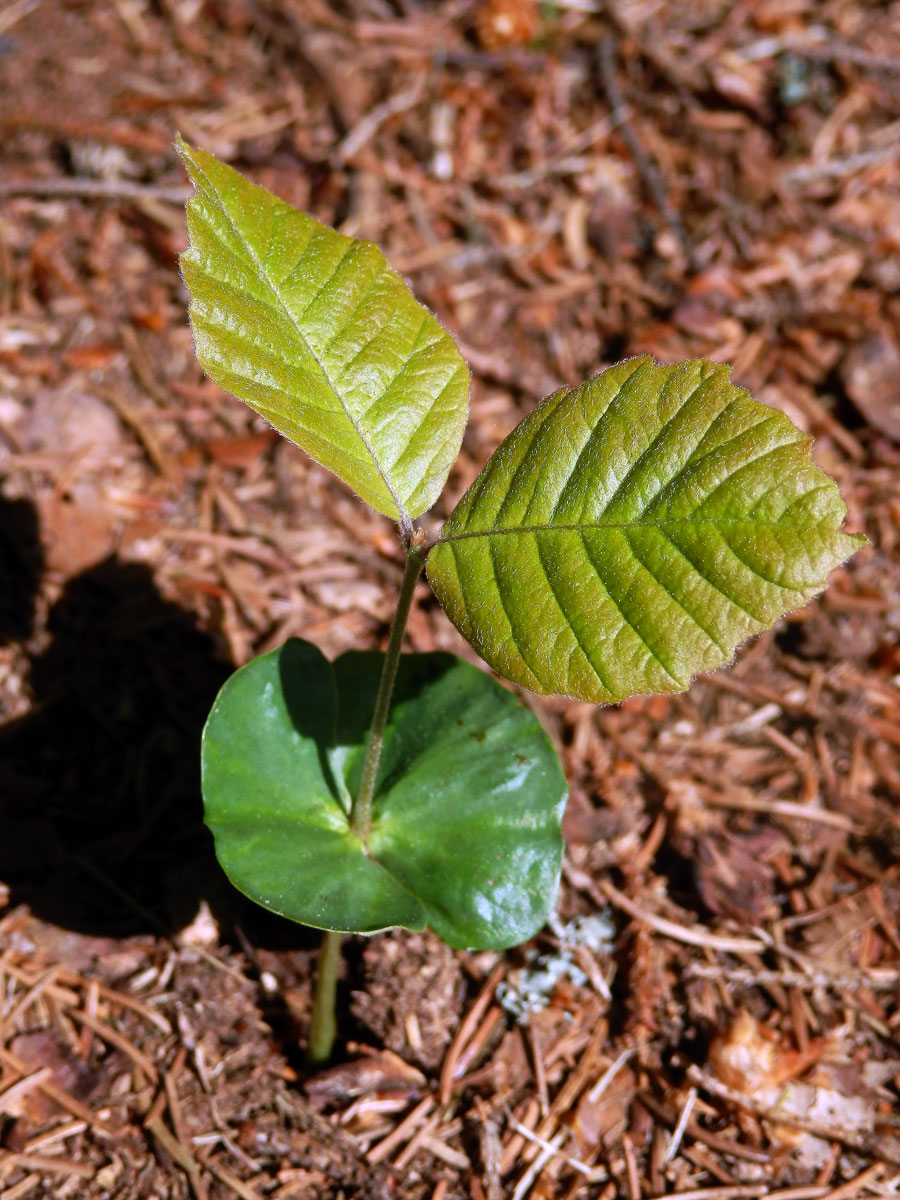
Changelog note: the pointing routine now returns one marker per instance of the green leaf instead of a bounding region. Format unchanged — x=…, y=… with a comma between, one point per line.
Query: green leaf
x=467, y=810
x=317, y=334
x=632, y=531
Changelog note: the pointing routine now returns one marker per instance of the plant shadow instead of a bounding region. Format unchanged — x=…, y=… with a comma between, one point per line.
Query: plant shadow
x=350, y=683
x=21, y=565
x=101, y=818
x=101, y=825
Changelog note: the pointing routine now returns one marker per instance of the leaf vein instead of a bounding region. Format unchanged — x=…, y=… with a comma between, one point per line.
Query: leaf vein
x=416, y=349
x=351, y=317
x=673, y=522
x=744, y=466
x=759, y=575
x=292, y=318
x=374, y=338
x=548, y=577
x=442, y=448
x=731, y=599
x=539, y=424
x=626, y=623
x=692, y=616
x=424, y=417
x=661, y=435
x=323, y=288
x=598, y=433
x=679, y=481
x=512, y=630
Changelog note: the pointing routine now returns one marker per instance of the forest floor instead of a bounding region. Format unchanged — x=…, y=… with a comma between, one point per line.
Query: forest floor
x=716, y=1010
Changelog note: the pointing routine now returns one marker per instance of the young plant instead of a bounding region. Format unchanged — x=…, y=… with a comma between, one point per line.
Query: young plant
x=629, y=533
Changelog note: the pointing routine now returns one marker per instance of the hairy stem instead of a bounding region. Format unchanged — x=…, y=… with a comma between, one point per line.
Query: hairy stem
x=361, y=813
x=323, y=1025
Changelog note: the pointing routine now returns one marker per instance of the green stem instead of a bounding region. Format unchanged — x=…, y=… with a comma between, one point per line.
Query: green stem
x=361, y=813
x=323, y=1025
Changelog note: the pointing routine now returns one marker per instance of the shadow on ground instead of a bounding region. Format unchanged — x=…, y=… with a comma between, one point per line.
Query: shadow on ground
x=21, y=564
x=100, y=818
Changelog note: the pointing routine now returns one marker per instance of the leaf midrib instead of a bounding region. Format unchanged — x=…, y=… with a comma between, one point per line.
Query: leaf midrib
x=581, y=527
x=267, y=281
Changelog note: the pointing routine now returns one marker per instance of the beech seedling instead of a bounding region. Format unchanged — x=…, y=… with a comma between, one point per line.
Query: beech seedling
x=629, y=533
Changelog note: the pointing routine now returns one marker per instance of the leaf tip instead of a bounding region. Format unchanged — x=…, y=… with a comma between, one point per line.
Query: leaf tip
x=184, y=149
x=196, y=162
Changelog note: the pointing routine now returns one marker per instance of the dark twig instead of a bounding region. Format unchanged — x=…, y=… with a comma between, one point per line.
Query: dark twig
x=647, y=168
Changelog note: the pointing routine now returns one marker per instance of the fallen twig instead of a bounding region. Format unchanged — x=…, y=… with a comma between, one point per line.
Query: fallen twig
x=647, y=168
x=94, y=189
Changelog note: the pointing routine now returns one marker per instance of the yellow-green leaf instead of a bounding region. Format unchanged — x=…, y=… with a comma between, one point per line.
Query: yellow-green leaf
x=315, y=332
x=633, y=531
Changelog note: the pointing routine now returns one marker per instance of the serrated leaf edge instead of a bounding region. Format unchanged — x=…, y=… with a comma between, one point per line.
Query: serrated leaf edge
x=803, y=590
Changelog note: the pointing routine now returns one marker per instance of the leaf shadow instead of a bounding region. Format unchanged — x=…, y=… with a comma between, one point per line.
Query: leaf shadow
x=358, y=673
x=308, y=687
x=340, y=728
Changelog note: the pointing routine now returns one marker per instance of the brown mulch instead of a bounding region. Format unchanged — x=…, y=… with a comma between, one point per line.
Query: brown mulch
x=714, y=1012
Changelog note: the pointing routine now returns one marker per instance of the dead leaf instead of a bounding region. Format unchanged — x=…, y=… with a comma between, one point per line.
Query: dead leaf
x=376, y=1071
x=871, y=375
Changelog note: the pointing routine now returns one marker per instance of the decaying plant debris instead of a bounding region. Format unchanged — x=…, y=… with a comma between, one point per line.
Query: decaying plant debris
x=564, y=187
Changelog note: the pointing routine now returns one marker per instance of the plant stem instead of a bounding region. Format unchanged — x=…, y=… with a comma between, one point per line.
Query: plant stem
x=323, y=1025
x=361, y=813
